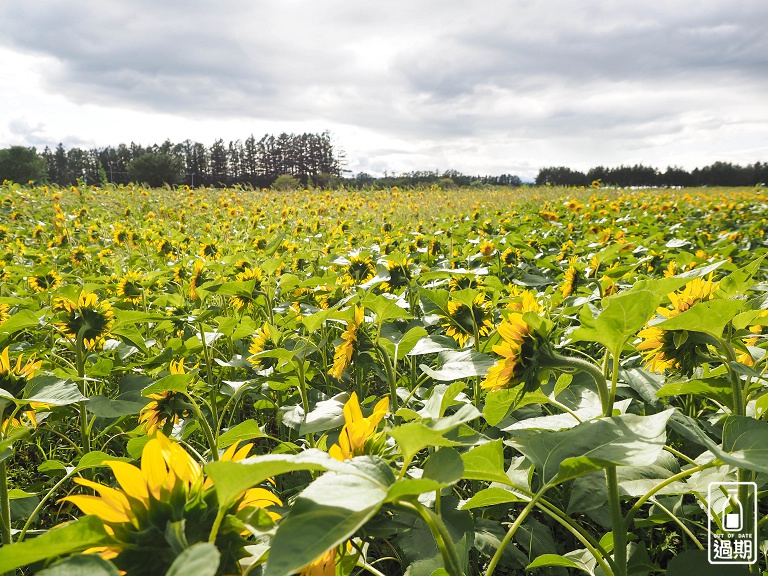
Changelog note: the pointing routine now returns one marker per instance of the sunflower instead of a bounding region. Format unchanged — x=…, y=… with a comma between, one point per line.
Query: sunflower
x=264, y=340
x=464, y=282
x=746, y=357
x=246, y=301
x=13, y=379
x=399, y=275
x=675, y=349
x=463, y=320
x=486, y=248
x=166, y=408
x=51, y=280
x=342, y=355
x=358, y=435
x=78, y=256
x=167, y=488
x=199, y=277
x=359, y=270
x=518, y=347
x=209, y=250
x=571, y=276
x=88, y=317
x=4, y=314
x=130, y=287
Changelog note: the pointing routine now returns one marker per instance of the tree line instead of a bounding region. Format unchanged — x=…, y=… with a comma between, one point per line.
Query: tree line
x=250, y=162
x=717, y=174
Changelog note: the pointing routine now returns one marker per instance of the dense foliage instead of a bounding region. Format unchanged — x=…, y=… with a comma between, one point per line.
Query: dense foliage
x=461, y=381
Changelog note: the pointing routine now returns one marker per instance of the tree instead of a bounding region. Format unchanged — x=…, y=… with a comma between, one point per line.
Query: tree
x=156, y=169
x=21, y=165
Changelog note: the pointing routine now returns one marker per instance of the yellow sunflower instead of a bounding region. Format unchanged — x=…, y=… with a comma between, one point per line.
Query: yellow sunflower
x=359, y=270
x=399, y=275
x=571, y=275
x=342, y=355
x=166, y=408
x=358, y=432
x=666, y=349
x=131, y=288
x=516, y=347
x=51, y=280
x=247, y=301
x=263, y=340
x=89, y=316
x=167, y=488
x=463, y=320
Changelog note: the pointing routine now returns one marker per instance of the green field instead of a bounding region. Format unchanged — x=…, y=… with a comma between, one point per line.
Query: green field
x=429, y=381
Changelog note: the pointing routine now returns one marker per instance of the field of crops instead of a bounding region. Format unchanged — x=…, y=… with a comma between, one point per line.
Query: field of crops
x=465, y=381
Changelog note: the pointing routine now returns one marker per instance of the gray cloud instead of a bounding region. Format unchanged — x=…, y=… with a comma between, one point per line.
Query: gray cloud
x=443, y=73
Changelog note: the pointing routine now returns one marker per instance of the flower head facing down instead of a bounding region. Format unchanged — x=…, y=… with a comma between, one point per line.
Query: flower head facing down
x=358, y=434
x=265, y=339
x=89, y=315
x=675, y=350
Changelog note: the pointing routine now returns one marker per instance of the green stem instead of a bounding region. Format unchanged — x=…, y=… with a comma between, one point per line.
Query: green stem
x=391, y=378
x=679, y=522
x=512, y=529
x=618, y=526
x=441, y=536
x=567, y=364
x=208, y=371
x=80, y=363
x=206, y=429
x=42, y=502
x=5, y=506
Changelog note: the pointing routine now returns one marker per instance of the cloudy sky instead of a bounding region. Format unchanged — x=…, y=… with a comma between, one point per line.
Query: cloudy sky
x=485, y=87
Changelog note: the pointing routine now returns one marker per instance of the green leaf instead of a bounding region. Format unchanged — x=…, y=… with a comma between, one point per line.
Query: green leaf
x=247, y=430
x=486, y=462
x=708, y=317
x=76, y=536
x=555, y=560
x=112, y=408
x=22, y=320
x=131, y=334
x=718, y=389
x=432, y=345
x=325, y=514
x=455, y=365
x=491, y=497
x=90, y=564
x=53, y=390
x=498, y=404
x=746, y=442
x=622, y=316
x=445, y=466
x=627, y=440
x=697, y=562
x=385, y=309
x=170, y=383
x=231, y=479
x=415, y=436
x=201, y=559
x=441, y=399
x=96, y=459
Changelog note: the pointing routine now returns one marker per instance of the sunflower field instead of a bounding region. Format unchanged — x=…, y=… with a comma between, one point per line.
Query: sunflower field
x=423, y=382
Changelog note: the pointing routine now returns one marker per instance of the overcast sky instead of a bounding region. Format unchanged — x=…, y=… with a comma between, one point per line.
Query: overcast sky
x=484, y=87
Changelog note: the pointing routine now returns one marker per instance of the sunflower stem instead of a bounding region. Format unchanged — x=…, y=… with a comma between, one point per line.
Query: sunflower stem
x=570, y=364
x=441, y=536
x=618, y=526
x=80, y=364
x=391, y=379
x=513, y=529
x=206, y=429
x=5, y=506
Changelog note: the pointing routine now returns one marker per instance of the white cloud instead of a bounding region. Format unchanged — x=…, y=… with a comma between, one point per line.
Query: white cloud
x=497, y=86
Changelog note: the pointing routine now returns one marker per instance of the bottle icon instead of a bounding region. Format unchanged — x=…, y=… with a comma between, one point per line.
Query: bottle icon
x=732, y=520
